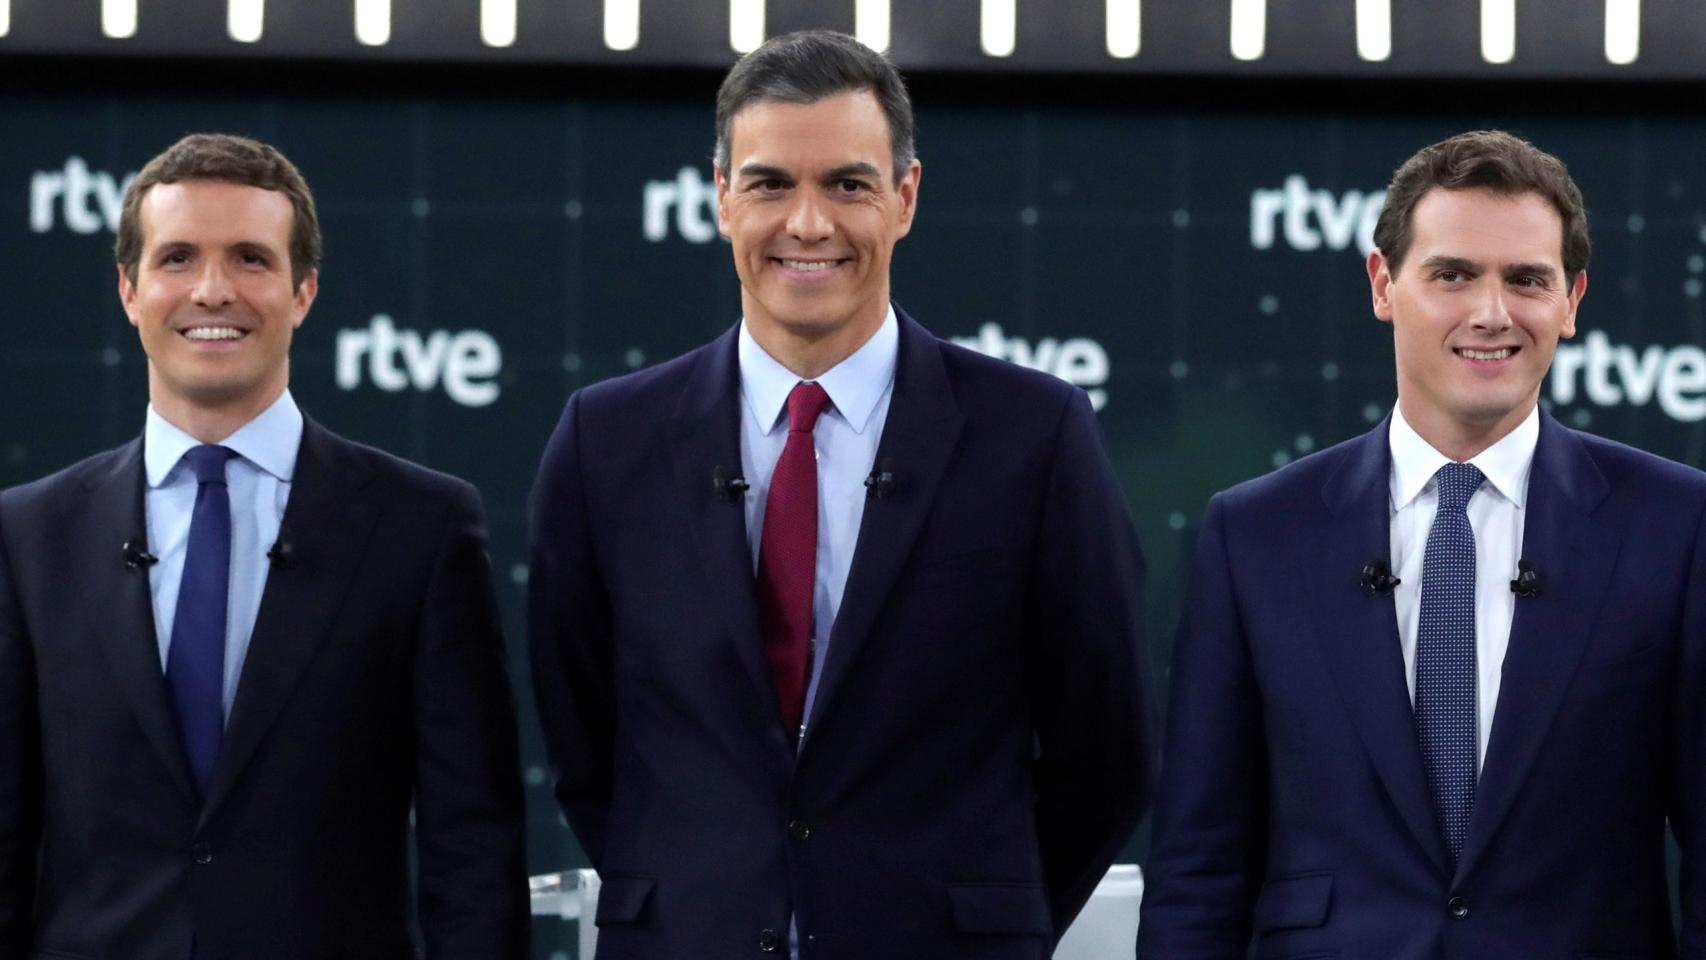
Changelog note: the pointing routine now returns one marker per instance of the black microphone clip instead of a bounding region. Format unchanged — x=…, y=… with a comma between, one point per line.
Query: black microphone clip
x=881, y=482
x=1527, y=582
x=281, y=552
x=1377, y=579
x=138, y=558
x=728, y=489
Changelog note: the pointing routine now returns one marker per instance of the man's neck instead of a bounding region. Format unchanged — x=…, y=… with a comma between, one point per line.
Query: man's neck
x=1459, y=441
x=809, y=357
x=209, y=424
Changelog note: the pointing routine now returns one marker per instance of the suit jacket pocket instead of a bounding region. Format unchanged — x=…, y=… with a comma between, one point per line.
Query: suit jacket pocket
x=1295, y=902
x=1000, y=908
x=623, y=899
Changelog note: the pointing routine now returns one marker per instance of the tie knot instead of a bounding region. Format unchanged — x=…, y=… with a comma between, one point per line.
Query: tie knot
x=208, y=462
x=1457, y=483
x=805, y=405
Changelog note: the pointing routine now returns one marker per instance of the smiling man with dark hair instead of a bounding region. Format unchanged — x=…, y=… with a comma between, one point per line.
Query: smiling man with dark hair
x=836, y=627
x=240, y=655
x=1439, y=688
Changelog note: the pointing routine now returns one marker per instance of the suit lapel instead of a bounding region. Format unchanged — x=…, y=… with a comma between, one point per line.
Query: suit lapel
x=704, y=434
x=128, y=641
x=1361, y=643
x=919, y=436
x=327, y=522
x=1574, y=558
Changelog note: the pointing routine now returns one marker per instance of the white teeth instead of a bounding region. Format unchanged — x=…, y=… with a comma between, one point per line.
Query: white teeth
x=213, y=333
x=810, y=266
x=1486, y=354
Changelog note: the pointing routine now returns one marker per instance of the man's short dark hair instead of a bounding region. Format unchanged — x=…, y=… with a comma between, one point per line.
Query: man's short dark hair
x=806, y=67
x=228, y=159
x=1483, y=160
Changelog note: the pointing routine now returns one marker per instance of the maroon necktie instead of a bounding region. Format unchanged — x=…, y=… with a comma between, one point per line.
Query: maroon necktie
x=787, y=555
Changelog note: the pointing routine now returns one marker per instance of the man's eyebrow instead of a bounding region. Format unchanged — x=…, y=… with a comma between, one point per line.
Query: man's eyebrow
x=1545, y=270
x=763, y=170
x=1444, y=262
x=847, y=170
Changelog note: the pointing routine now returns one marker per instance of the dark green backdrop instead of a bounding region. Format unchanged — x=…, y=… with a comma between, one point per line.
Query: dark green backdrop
x=1200, y=266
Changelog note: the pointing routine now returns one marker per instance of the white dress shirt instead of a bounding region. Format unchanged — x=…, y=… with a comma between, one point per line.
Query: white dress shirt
x=846, y=437
x=1495, y=514
x=258, y=480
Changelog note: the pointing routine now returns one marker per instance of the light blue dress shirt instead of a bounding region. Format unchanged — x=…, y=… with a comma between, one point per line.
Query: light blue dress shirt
x=846, y=437
x=259, y=482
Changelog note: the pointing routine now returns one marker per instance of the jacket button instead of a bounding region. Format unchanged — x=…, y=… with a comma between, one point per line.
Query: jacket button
x=1458, y=907
x=202, y=852
x=799, y=830
x=769, y=941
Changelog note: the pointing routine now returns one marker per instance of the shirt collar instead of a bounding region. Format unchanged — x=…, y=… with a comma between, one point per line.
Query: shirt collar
x=1505, y=464
x=854, y=385
x=270, y=441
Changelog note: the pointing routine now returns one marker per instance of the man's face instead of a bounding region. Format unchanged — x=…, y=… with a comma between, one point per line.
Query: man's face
x=213, y=299
x=813, y=211
x=1476, y=309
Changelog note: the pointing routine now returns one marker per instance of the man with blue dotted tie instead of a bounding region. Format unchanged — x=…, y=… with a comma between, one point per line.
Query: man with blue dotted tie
x=240, y=654
x=1439, y=688
x=836, y=627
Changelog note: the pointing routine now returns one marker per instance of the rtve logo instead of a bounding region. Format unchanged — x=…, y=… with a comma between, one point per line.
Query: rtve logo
x=1308, y=219
x=465, y=363
x=85, y=201
x=692, y=197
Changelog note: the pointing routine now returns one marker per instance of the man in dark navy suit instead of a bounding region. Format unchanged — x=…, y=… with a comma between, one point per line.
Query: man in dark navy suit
x=239, y=654
x=836, y=627
x=1439, y=688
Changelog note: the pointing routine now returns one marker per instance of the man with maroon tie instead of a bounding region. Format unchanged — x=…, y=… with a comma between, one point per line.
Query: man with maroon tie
x=836, y=627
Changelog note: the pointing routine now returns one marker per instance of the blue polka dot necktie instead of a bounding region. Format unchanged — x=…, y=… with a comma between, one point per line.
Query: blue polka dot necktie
x=195, y=661
x=1445, y=655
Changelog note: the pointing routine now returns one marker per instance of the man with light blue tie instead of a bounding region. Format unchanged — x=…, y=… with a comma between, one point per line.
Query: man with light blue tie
x=836, y=627
x=239, y=655
x=1438, y=689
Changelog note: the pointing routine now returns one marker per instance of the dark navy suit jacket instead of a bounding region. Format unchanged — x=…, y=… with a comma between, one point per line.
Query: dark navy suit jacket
x=1293, y=807
x=979, y=750
x=374, y=689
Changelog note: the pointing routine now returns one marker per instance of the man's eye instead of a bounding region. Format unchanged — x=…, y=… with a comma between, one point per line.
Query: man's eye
x=175, y=258
x=768, y=186
x=1449, y=276
x=851, y=186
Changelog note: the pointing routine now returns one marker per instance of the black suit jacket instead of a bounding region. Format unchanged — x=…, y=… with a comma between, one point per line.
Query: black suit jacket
x=978, y=750
x=375, y=677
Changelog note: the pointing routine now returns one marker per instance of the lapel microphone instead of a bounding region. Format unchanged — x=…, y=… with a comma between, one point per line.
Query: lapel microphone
x=728, y=489
x=138, y=558
x=281, y=552
x=1527, y=582
x=881, y=482
x=1377, y=579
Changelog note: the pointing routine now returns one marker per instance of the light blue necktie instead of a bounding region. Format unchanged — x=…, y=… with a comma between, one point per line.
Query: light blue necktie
x=195, y=661
x=1445, y=656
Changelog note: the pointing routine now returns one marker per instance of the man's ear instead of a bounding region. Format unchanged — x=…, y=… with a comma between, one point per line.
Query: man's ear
x=907, y=189
x=1578, y=290
x=304, y=296
x=722, y=198
x=1380, y=285
x=127, y=294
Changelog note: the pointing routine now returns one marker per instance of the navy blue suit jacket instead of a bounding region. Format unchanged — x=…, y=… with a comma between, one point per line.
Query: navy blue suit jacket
x=978, y=752
x=1293, y=806
x=374, y=693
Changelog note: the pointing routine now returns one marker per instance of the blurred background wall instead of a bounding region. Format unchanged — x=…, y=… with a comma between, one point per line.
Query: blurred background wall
x=1167, y=205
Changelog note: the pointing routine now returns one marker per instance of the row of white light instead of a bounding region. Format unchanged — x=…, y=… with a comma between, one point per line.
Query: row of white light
x=1374, y=30
x=997, y=25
